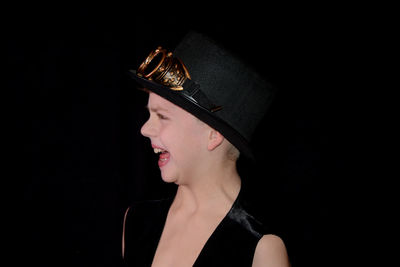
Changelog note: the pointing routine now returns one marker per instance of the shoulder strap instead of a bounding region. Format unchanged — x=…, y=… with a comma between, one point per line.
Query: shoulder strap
x=142, y=227
x=123, y=232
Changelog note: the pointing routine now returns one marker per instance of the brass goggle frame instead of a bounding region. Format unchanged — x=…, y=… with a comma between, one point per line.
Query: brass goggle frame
x=169, y=71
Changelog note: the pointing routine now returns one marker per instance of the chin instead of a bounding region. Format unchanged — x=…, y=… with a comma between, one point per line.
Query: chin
x=168, y=178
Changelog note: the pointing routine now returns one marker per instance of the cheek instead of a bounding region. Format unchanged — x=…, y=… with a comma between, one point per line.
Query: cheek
x=184, y=143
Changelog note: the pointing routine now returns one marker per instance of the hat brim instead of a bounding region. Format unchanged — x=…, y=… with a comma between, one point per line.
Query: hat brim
x=202, y=114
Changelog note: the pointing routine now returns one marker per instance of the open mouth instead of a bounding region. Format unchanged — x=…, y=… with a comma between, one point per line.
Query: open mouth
x=163, y=156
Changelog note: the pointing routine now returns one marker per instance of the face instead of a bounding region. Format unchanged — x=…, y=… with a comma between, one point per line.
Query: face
x=178, y=137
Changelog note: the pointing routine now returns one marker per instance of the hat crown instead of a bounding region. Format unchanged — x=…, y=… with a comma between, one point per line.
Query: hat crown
x=227, y=81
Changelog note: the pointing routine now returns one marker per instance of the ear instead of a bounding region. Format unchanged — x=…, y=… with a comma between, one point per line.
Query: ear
x=215, y=139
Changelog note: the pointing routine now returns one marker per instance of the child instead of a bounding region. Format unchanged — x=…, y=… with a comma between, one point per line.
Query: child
x=204, y=105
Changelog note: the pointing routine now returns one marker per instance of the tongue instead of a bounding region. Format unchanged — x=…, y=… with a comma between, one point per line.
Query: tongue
x=164, y=155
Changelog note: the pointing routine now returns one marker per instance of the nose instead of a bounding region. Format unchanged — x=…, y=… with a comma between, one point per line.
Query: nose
x=149, y=129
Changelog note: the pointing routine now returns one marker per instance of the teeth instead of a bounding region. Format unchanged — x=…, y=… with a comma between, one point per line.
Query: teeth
x=158, y=150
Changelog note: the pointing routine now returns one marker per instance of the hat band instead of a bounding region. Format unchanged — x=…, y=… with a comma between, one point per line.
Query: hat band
x=165, y=69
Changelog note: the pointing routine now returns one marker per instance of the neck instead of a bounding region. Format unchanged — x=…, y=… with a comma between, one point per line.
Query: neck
x=214, y=190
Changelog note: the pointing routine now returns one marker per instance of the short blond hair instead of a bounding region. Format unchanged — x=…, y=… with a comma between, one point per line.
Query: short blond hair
x=233, y=153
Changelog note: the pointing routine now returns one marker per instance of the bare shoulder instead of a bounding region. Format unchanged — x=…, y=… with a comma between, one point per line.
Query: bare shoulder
x=271, y=252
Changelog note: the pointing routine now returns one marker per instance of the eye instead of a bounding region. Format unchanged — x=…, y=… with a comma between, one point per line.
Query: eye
x=161, y=117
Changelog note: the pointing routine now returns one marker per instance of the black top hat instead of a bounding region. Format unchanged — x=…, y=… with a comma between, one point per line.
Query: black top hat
x=211, y=83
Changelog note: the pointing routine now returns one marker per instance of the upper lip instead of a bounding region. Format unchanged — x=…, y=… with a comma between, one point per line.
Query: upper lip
x=158, y=149
x=156, y=146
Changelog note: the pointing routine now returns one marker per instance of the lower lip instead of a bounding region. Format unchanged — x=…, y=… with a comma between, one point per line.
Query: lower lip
x=163, y=159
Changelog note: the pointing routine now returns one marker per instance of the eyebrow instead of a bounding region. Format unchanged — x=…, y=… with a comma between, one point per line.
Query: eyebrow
x=156, y=109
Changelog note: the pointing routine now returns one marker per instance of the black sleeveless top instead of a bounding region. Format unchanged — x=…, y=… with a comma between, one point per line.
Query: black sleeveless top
x=233, y=242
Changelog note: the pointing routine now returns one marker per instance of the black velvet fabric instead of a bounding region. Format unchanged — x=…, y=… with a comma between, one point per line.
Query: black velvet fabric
x=233, y=242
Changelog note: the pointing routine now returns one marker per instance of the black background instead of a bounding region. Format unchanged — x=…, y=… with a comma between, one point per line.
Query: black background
x=79, y=157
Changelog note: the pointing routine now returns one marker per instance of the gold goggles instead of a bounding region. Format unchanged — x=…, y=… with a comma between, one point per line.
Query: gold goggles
x=165, y=69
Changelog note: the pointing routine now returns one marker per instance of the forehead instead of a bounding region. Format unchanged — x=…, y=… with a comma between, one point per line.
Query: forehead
x=156, y=102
